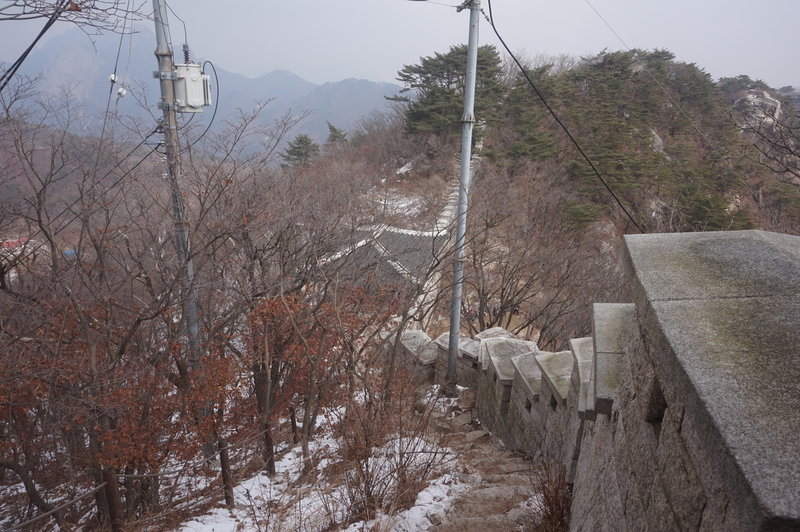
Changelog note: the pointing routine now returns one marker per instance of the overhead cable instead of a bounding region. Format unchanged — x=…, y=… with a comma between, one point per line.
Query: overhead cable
x=113, y=80
x=216, y=103
x=8, y=74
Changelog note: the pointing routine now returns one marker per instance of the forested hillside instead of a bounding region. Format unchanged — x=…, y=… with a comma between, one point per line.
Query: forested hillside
x=673, y=151
x=666, y=137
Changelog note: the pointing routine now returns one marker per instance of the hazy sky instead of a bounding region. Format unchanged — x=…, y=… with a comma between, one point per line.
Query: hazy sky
x=327, y=40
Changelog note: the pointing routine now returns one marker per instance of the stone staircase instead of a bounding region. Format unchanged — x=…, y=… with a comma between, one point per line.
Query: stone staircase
x=502, y=480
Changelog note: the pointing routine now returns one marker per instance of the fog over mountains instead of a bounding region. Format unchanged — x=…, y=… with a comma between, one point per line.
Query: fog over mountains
x=70, y=61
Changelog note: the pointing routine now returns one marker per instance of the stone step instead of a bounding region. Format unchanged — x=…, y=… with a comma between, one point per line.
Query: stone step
x=510, y=463
x=611, y=324
x=480, y=524
x=491, y=500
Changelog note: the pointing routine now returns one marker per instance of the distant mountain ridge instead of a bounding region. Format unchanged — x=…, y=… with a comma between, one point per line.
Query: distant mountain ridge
x=70, y=61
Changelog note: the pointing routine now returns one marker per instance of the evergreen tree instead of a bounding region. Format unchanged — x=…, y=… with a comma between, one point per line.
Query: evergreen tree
x=335, y=134
x=299, y=151
x=434, y=89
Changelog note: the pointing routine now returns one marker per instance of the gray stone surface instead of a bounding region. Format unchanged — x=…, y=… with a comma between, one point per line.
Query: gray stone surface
x=462, y=419
x=421, y=345
x=583, y=354
x=525, y=420
x=504, y=348
x=557, y=371
x=678, y=476
x=467, y=347
x=597, y=503
x=699, y=382
x=530, y=373
x=715, y=264
x=606, y=380
x=466, y=362
x=610, y=326
x=475, y=435
x=612, y=323
x=720, y=311
x=494, y=332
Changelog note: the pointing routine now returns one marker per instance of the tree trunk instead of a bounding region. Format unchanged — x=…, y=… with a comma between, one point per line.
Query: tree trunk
x=293, y=420
x=225, y=468
x=113, y=500
x=262, y=384
x=268, y=453
x=30, y=489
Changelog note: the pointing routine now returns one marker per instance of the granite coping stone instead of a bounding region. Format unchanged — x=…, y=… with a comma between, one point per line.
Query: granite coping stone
x=583, y=354
x=503, y=367
x=556, y=370
x=529, y=371
x=606, y=381
x=414, y=338
x=722, y=312
x=419, y=343
x=611, y=323
x=427, y=354
x=715, y=264
x=504, y=348
x=467, y=347
x=494, y=332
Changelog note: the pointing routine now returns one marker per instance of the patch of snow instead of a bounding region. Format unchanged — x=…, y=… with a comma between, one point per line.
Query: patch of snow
x=435, y=499
x=218, y=520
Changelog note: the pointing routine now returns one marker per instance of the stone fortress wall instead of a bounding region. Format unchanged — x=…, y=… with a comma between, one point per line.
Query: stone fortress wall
x=681, y=411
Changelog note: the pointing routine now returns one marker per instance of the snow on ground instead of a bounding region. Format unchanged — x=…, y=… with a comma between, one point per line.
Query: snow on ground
x=285, y=503
x=398, y=205
x=257, y=497
x=435, y=499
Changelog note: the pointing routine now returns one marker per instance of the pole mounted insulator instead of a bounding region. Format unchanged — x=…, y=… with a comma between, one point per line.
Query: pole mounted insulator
x=468, y=4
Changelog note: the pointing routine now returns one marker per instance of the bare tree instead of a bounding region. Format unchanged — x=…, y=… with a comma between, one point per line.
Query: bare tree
x=529, y=271
x=90, y=15
x=776, y=136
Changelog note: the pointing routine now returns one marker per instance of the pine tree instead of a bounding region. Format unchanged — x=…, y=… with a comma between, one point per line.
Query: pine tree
x=299, y=151
x=437, y=83
x=335, y=134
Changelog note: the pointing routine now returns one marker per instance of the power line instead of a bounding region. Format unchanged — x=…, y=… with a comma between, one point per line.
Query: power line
x=216, y=104
x=490, y=19
x=23, y=525
x=74, y=202
x=185, y=33
x=113, y=80
x=8, y=74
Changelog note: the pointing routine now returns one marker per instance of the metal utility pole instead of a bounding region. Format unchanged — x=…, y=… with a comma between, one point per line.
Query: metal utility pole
x=459, y=255
x=166, y=75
